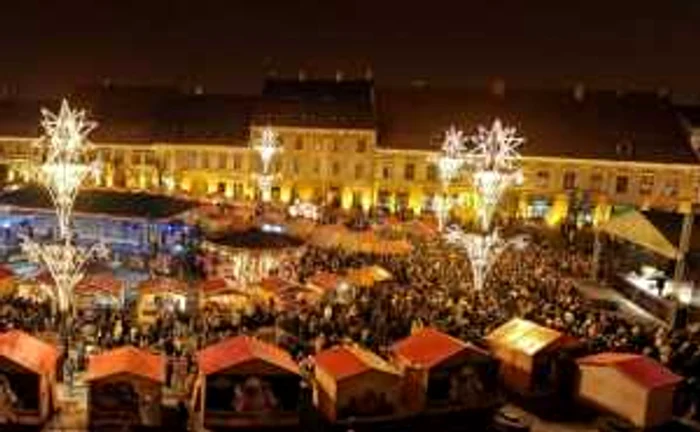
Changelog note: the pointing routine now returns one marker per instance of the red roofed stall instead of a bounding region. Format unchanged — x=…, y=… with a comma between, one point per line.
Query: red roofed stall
x=632, y=386
x=528, y=355
x=27, y=379
x=444, y=372
x=353, y=382
x=245, y=382
x=125, y=388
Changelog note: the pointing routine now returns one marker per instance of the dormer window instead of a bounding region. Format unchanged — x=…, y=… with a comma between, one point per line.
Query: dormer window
x=624, y=149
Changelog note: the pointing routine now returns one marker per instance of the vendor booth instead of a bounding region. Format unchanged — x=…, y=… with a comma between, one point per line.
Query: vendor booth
x=125, y=388
x=442, y=372
x=333, y=285
x=528, y=355
x=159, y=295
x=7, y=281
x=98, y=291
x=353, y=382
x=367, y=276
x=223, y=294
x=289, y=295
x=245, y=383
x=27, y=379
x=631, y=386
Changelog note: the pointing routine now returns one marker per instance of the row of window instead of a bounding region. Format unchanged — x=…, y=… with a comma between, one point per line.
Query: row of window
x=332, y=145
x=622, y=183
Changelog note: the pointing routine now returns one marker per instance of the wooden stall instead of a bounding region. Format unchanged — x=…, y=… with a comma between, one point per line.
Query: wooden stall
x=125, y=388
x=527, y=353
x=367, y=276
x=7, y=281
x=27, y=379
x=632, y=386
x=160, y=294
x=353, y=382
x=222, y=294
x=102, y=290
x=246, y=383
x=442, y=372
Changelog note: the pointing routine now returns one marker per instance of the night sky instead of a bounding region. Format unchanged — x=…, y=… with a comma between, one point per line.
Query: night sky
x=227, y=46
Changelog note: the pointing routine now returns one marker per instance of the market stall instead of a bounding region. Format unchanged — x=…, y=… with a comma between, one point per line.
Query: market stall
x=353, y=382
x=528, y=355
x=98, y=291
x=8, y=283
x=289, y=295
x=27, y=379
x=331, y=284
x=444, y=372
x=158, y=295
x=125, y=388
x=244, y=382
x=367, y=276
x=223, y=294
x=632, y=386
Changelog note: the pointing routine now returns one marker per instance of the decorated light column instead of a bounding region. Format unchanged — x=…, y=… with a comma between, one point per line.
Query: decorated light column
x=267, y=147
x=65, y=166
x=448, y=162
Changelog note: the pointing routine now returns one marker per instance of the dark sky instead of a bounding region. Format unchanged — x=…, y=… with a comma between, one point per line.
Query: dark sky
x=47, y=48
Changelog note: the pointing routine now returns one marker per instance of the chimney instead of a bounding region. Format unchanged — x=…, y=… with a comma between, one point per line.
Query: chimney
x=302, y=75
x=369, y=74
x=579, y=92
x=498, y=87
x=199, y=89
x=339, y=76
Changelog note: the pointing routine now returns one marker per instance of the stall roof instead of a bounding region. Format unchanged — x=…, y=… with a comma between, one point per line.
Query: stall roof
x=429, y=347
x=127, y=360
x=242, y=349
x=524, y=336
x=100, y=283
x=6, y=272
x=638, y=368
x=347, y=361
x=325, y=281
x=28, y=351
x=160, y=285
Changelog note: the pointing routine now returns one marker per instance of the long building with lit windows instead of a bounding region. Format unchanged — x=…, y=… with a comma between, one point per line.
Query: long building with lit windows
x=349, y=144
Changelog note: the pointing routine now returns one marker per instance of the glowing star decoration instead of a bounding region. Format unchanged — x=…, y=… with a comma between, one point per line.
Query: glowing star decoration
x=442, y=205
x=451, y=157
x=267, y=147
x=66, y=151
x=483, y=250
x=496, y=166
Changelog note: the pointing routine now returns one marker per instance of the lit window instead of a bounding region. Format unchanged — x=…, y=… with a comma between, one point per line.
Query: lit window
x=299, y=143
x=542, y=179
x=621, y=184
x=409, y=171
x=672, y=186
x=335, y=168
x=205, y=161
x=317, y=166
x=136, y=158
x=237, y=162
x=335, y=145
x=192, y=159
x=294, y=166
x=359, y=171
x=646, y=186
x=362, y=145
x=596, y=182
x=386, y=172
x=223, y=161
x=431, y=172
x=569, y=180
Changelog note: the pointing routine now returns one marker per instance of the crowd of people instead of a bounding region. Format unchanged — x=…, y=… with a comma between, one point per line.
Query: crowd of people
x=431, y=286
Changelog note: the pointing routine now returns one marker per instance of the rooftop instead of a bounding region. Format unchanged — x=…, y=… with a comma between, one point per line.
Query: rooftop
x=239, y=350
x=429, y=347
x=126, y=360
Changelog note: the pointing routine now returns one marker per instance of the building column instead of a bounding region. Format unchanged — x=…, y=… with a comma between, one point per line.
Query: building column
x=684, y=245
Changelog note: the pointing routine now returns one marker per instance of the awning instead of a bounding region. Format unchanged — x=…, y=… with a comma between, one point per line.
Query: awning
x=636, y=228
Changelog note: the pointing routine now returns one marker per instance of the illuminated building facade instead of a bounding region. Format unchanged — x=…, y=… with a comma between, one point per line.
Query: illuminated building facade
x=349, y=144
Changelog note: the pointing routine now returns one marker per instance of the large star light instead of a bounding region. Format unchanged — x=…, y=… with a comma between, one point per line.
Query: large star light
x=66, y=132
x=496, y=166
x=451, y=157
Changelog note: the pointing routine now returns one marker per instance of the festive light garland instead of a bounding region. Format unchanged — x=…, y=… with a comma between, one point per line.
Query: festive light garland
x=267, y=147
x=449, y=162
